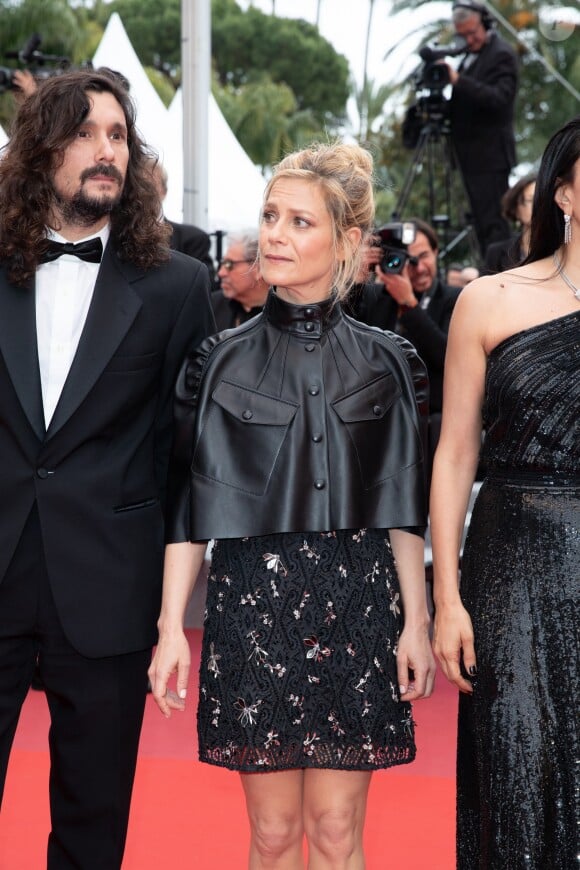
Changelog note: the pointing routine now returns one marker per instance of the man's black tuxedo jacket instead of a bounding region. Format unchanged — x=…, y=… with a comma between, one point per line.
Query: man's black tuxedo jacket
x=98, y=474
x=194, y=242
x=426, y=329
x=482, y=110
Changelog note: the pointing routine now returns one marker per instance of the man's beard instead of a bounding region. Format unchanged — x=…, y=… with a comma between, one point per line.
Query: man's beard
x=84, y=210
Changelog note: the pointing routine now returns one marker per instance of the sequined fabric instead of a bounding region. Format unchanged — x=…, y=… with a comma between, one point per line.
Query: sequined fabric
x=298, y=665
x=518, y=772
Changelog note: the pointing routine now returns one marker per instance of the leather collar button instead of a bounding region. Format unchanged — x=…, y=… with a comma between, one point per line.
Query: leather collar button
x=319, y=484
x=309, y=347
x=313, y=390
x=309, y=326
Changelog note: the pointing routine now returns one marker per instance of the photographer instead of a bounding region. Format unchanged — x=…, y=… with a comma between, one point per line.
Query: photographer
x=482, y=110
x=415, y=303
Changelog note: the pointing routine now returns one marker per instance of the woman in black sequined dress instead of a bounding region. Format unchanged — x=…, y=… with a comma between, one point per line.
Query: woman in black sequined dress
x=508, y=637
x=299, y=450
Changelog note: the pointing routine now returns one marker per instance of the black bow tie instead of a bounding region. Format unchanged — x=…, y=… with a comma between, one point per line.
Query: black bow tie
x=90, y=251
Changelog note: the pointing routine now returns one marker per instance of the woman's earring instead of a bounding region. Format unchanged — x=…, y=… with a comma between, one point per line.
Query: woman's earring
x=567, y=230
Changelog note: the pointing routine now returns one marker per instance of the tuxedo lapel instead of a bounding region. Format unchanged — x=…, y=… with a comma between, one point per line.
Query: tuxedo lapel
x=19, y=348
x=113, y=309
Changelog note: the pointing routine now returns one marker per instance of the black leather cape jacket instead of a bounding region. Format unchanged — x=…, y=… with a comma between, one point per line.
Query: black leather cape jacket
x=301, y=419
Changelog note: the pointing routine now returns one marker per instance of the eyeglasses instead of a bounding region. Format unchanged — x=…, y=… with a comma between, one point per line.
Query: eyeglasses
x=228, y=264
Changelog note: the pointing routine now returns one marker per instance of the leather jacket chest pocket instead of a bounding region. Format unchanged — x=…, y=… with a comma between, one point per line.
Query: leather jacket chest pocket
x=372, y=428
x=242, y=437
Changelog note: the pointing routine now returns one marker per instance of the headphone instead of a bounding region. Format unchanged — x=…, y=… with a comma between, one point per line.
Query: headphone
x=486, y=18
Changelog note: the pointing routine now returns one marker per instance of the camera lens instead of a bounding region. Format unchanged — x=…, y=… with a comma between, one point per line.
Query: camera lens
x=393, y=262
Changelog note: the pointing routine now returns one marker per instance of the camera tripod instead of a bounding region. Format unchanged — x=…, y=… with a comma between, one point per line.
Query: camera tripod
x=434, y=160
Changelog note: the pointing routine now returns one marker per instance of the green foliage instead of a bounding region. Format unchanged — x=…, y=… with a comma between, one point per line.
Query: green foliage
x=57, y=25
x=154, y=28
x=248, y=44
x=53, y=20
x=265, y=119
x=161, y=83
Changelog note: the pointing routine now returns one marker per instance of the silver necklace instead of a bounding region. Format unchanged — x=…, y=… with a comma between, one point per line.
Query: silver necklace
x=575, y=290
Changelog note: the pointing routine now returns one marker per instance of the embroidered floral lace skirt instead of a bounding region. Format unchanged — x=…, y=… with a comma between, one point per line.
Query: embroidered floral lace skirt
x=298, y=665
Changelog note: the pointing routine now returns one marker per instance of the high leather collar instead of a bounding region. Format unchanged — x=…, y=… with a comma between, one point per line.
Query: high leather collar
x=309, y=321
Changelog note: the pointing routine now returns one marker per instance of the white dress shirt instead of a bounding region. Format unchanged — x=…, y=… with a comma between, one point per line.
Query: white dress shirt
x=64, y=289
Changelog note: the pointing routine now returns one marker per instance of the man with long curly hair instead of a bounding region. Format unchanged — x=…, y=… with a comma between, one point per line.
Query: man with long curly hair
x=96, y=316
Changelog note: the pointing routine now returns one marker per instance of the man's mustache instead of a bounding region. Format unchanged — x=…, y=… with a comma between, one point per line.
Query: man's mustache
x=103, y=169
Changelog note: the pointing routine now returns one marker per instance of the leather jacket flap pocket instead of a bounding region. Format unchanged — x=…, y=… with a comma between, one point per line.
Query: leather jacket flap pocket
x=250, y=406
x=370, y=402
x=233, y=451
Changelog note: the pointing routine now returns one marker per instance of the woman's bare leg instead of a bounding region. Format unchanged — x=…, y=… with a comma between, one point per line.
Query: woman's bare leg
x=274, y=805
x=334, y=815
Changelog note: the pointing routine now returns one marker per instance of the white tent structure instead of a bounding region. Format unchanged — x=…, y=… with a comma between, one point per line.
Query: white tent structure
x=116, y=52
x=235, y=185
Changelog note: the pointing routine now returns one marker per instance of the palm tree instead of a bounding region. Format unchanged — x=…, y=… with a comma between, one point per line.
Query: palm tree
x=318, y=5
x=364, y=94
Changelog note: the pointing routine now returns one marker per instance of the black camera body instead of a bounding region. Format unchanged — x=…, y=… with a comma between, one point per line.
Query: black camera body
x=394, y=239
x=430, y=79
x=31, y=58
x=434, y=76
x=7, y=82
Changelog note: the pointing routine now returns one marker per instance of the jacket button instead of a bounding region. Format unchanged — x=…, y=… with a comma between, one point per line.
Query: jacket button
x=317, y=438
x=309, y=347
x=42, y=473
x=309, y=312
x=319, y=484
x=309, y=327
x=247, y=415
x=313, y=390
x=377, y=410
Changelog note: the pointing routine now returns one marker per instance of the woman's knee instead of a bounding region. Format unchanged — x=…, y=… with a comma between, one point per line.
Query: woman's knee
x=334, y=831
x=275, y=834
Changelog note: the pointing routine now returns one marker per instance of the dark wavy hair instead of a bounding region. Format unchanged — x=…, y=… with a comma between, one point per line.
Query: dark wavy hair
x=43, y=128
x=556, y=168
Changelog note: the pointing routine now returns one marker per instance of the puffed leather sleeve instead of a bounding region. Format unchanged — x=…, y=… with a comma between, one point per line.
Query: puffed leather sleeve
x=421, y=387
x=420, y=382
x=185, y=409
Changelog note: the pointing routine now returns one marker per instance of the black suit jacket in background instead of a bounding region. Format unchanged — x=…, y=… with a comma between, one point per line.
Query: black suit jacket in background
x=98, y=475
x=482, y=110
x=425, y=327
x=229, y=313
x=194, y=242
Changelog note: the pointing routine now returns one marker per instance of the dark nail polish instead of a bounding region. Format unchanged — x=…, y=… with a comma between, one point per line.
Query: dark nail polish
x=472, y=671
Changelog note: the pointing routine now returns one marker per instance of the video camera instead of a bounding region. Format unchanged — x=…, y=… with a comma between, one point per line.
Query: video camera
x=432, y=74
x=430, y=80
x=31, y=58
x=394, y=239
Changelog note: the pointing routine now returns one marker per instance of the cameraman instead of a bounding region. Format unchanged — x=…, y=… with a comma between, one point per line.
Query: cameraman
x=482, y=115
x=416, y=304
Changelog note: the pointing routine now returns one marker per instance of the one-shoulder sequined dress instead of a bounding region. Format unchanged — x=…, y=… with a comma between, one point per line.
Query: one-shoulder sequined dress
x=518, y=759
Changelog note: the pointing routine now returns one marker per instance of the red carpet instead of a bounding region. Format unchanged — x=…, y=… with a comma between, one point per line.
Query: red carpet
x=190, y=816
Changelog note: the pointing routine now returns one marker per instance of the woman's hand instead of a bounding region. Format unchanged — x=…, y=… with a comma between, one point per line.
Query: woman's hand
x=172, y=656
x=452, y=640
x=414, y=654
